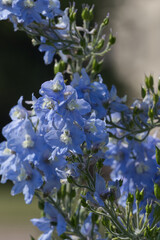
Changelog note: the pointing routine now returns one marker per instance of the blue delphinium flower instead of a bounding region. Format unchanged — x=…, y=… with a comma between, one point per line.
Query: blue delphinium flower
x=69, y=138
x=135, y=163
x=96, y=132
x=54, y=88
x=96, y=93
x=48, y=223
x=7, y=9
x=49, y=8
x=28, y=11
x=26, y=180
x=87, y=226
x=48, y=49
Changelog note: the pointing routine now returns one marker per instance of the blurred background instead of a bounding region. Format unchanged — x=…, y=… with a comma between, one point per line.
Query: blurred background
x=22, y=71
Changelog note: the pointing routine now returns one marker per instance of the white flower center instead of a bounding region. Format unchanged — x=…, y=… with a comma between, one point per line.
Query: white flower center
x=57, y=86
x=65, y=137
x=27, y=143
x=18, y=114
x=29, y=3
x=7, y=151
x=91, y=127
x=47, y=104
x=72, y=105
x=7, y=2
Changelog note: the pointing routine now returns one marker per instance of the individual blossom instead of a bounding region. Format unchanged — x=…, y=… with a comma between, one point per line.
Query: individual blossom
x=26, y=180
x=96, y=132
x=28, y=11
x=53, y=219
x=96, y=93
x=135, y=163
x=69, y=138
x=8, y=10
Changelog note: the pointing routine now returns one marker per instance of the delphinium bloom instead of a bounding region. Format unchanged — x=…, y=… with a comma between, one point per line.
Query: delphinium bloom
x=134, y=162
x=42, y=20
x=48, y=223
x=39, y=140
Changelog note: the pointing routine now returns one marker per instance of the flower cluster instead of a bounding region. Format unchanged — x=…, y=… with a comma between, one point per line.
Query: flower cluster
x=43, y=20
x=76, y=143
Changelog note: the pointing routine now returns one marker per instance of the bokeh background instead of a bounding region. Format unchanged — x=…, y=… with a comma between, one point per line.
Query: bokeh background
x=136, y=53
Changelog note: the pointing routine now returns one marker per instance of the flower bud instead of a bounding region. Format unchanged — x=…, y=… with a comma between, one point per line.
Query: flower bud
x=130, y=198
x=139, y=195
x=157, y=190
x=59, y=66
x=72, y=17
x=87, y=14
x=112, y=39
x=106, y=20
x=158, y=155
x=148, y=208
x=149, y=82
x=100, y=44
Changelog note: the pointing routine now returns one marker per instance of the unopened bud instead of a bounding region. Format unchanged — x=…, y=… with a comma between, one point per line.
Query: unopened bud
x=148, y=208
x=105, y=21
x=157, y=155
x=59, y=66
x=139, y=195
x=87, y=14
x=100, y=44
x=157, y=190
x=130, y=198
